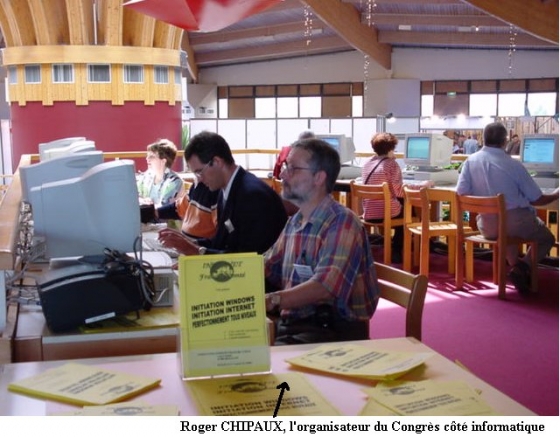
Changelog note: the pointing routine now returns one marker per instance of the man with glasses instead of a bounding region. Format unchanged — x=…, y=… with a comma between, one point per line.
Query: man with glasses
x=321, y=265
x=251, y=214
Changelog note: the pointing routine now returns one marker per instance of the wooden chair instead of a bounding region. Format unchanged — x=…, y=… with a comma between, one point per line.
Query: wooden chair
x=406, y=290
x=425, y=200
x=465, y=262
x=360, y=192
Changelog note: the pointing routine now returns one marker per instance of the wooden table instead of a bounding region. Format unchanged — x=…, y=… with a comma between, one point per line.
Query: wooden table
x=344, y=394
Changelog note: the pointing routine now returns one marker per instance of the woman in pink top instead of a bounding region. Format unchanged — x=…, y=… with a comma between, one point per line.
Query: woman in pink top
x=384, y=168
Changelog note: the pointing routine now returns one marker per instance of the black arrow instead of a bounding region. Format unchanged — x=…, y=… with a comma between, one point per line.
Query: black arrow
x=282, y=387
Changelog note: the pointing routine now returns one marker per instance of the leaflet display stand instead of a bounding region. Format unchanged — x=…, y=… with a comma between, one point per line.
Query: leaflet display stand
x=223, y=328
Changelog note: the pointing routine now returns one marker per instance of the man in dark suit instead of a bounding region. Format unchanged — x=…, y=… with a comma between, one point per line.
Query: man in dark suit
x=251, y=215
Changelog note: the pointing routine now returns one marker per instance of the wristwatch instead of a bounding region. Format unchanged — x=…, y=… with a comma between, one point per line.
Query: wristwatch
x=202, y=250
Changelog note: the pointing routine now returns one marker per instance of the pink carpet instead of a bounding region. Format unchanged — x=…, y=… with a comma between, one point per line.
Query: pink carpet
x=512, y=344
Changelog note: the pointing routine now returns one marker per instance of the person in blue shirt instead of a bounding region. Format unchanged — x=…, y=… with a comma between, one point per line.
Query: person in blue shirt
x=491, y=171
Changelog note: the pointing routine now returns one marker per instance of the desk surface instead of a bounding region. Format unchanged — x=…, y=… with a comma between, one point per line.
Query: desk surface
x=173, y=389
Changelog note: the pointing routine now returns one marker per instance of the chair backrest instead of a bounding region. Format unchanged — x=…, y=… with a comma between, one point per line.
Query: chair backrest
x=417, y=199
x=423, y=198
x=406, y=290
x=483, y=205
x=360, y=192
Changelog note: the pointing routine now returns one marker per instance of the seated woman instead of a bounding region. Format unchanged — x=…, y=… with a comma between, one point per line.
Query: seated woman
x=384, y=168
x=160, y=185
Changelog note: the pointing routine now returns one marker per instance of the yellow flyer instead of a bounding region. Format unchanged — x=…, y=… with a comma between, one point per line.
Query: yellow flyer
x=81, y=384
x=223, y=316
x=258, y=395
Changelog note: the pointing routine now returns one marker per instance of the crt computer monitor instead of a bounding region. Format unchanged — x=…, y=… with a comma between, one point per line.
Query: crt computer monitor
x=539, y=153
x=84, y=215
x=64, y=167
x=61, y=142
x=342, y=144
x=74, y=147
x=427, y=150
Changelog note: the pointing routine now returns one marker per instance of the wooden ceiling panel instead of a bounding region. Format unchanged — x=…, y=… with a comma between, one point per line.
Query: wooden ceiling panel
x=138, y=29
x=80, y=22
x=19, y=22
x=537, y=17
x=110, y=23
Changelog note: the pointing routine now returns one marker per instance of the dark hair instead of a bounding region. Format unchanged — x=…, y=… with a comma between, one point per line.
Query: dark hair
x=164, y=149
x=495, y=135
x=207, y=145
x=322, y=158
x=383, y=143
x=306, y=135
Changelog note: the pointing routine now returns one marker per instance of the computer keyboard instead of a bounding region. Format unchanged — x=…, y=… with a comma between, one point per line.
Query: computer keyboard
x=151, y=244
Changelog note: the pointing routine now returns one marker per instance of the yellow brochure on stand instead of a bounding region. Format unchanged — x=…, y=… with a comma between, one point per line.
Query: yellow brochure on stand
x=81, y=384
x=223, y=315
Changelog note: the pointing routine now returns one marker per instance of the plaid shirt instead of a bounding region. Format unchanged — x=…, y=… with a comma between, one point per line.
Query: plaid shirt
x=334, y=244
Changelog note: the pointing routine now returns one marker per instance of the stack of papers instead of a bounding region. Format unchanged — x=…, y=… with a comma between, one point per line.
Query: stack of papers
x=425, y=398
x=81, y=384
x=360, y=362
x=123, y=409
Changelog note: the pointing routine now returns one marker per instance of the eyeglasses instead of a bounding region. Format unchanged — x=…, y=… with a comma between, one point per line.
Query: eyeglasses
x=291, y=169
x=199, y=172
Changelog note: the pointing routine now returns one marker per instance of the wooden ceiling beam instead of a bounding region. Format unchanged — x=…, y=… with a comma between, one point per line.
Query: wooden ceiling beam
x=253, y=32
x=294, y=48
x=438, y=20
x=474, y=39
x=192, y=65
x=537, y=17
x=345, y=20
x=408, y=2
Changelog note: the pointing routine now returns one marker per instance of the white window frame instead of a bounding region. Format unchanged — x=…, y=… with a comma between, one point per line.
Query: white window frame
x=33, y=73
x=67, y=71
x=93, y=67
x=161, y=74
x=133, y=73
x=12, y=75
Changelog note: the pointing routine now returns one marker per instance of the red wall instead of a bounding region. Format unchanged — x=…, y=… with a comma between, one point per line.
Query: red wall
x=130, y=127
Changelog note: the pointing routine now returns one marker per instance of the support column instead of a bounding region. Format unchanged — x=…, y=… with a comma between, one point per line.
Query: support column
x=93, y=69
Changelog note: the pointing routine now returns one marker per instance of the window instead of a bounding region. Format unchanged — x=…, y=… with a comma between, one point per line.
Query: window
x=511, y=105
x=223, y=108
x=161, y=74
x=63, y=73
x=99, y=73
x=310, y=106
x=482, y=104
x=32, y=74
x=12, y=74
x=133, y=74
x=287, y=107
x=357, y=106
x=427, y=105
x=178, y=76
x=542, y=104
x=265, y=107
